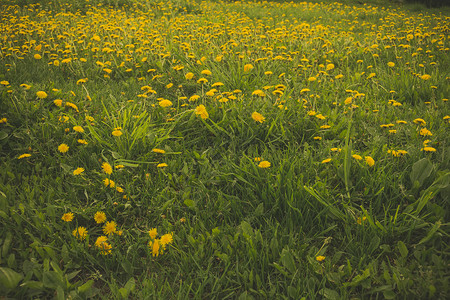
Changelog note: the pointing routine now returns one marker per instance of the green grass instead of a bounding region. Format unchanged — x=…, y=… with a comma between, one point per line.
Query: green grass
x=340, y=213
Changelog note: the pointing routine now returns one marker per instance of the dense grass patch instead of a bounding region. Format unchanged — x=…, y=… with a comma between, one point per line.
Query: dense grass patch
x=188, y=149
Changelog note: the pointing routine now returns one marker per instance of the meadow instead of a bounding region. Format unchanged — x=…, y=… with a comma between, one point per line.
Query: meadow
x=224, y=149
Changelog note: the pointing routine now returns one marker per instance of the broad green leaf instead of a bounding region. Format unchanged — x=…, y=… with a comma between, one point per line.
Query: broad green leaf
x=287, y=260
x=9, y=278
x=52, y=280
x=402, y=249
x=421, y=170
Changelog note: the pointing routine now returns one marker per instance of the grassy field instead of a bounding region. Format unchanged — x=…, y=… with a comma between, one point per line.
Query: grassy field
x=213, y=150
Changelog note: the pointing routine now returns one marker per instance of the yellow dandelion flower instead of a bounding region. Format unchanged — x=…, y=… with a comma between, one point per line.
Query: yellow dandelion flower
x=162, y=165
x=80, y=233
x=166, y=239
x=58, y=102
x=369, y=160
x=156, y=150
x=78, y=129
x=117, y=133
x=63, y=148
x=189, y=75
x=100, y=217
x=391, y=64
x=206, y=72
x=41, y=94
x=78, y=171
x=258, y=117
x=155, y=247
x=420, y=121
x=248, y=67
x=201, y=111
x=107, y=168
x=153, y=233
x=37, y=56
x=5, y=83
x=320, y=258
x=264, y=164
x=165, y=103
x=357, y=157
x=67, y=217
x=109, y=228
x=25, y=155
x=81, y=141
x=428, y=149
x=425, y=77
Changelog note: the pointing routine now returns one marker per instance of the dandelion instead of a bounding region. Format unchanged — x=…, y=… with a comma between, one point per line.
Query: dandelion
x=155, y=247
x=162, y=165
x=78, y=171
x=194, y=98
x=189, y=75
x=264, y=164
x=78, y=129
x=63, y=148
x=100, y=217
x=165, y=103
x=81, y=141
x=248, y=67
x=369, y=160
x=202, y=80
x=37, y=56
x=391, y=64
x=41, y=94
x=312, y=78
x=258, y=117
x=103, y=245
x=425, y=77
x=5, y=83
x=361, y=220
x=153, y=233
x=425, y=132
x=25, y=155
x=58, y=102
x=201, y=111
x=317, y=138
x=67, y=217
x=258, y=93
x=156, y=150
x=357, y=157
x=206, y=72
x=109, y=228
x=119, y=166
x=107, y=168
x=166, y=239
x=326, y=161
x=117, y=133
x=23, y=85
x=320, y=258
x=80, y=233
x=420, y=121
x=428, y=149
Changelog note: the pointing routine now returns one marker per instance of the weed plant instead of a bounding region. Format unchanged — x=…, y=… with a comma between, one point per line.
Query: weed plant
x=223, y=149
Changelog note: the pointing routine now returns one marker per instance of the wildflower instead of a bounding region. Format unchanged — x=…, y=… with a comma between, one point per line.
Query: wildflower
x=80, y=233
x=425, y=132
x=258, y=117
x=391, y=64
x=71, y=105
x=361, y=220
x=153, y=233
x=165, y=103
x=258, y=93
x=312, y=78
x=156, y=150
x=425, y=77
x=81, y=141
x=168, y=86
x=325, y=127
x=5, y=83
x=58, y=102
x=100, y=217
x=25, y=155
x=67, y=217
x=117, y=133
x=264, y=164
x=357, y=157
x=107, y=168
x=162, y=165
x=330, y=67
x=166, y=239
x=194, y=98
x=420, y=121
x=109, y=228
x=41, y=94
x=83, y=80
x=155, y=247
x=23, y=85
x=63, y=148
x=320, y=258
x=428, y=149
x=202, y=80
x=119, y=166
x=248, y=67
x=78, y=171
x=103, y=245
x=369, y=160
x=339, y=76
x=78, y=129
x=317, y=138
x=268, y=73
x=326, y=161
x=189, y=75
x=37, y=56
x=201, y=110
x=206, y=72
